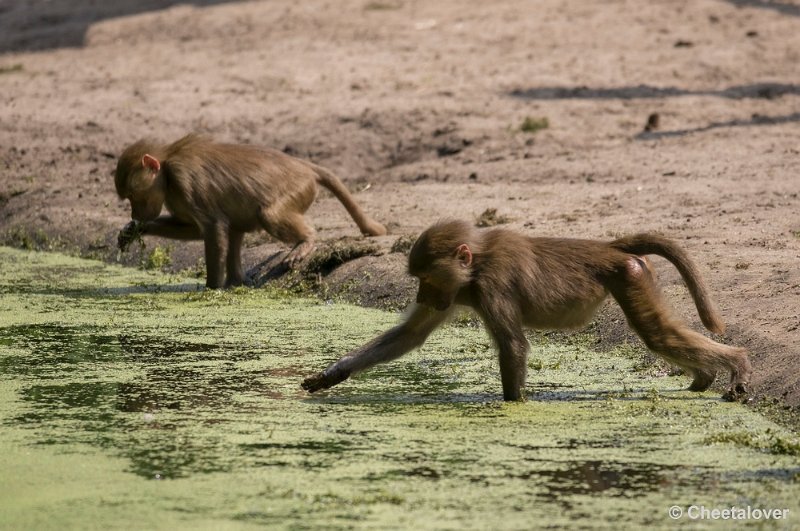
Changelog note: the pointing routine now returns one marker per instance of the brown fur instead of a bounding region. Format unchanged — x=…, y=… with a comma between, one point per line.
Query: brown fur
x=217, y=192
x=513, y=281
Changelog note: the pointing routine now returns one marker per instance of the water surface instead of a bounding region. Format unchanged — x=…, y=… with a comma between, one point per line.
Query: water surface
x=134, y=400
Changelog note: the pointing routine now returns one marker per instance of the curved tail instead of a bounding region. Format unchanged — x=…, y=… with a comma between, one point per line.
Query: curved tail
x=642, y=244
x=368, y=226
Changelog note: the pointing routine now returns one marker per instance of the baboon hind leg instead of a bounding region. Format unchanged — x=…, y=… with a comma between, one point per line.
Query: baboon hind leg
x=289, y=227
x=640, y=299
x=703, y=379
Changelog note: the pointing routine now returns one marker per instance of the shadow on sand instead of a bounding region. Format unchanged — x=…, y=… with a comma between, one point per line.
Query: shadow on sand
x=42, y=25
x=783, y=8
x=753, y=91
x=736, y=92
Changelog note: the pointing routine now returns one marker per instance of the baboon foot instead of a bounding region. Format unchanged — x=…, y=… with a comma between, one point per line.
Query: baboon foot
x=237, y=280
x=296, y=255
x=702, y=380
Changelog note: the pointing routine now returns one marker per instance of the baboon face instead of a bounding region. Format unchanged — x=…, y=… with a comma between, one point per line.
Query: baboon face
x=138, y=180
x=440, y=282
x=146, y=207
x=442, y=265
x=434, y=296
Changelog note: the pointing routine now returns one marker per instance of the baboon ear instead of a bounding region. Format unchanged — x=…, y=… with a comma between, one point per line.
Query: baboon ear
x=151, y=163
x=464, y=255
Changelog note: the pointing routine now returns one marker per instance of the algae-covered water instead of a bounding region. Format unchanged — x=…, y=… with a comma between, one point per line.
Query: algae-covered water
x=133, y=400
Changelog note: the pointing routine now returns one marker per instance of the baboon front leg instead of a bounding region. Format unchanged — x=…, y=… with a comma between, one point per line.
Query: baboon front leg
x=216, y=242
x=171, y=227
x=412, y=333
x=235, y=276
x=513, y=371
x=641, y=301
x=513, y=352
x=513, y=367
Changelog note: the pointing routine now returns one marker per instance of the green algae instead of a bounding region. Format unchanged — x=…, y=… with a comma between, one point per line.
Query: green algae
x=133, y=399
x=158, y=258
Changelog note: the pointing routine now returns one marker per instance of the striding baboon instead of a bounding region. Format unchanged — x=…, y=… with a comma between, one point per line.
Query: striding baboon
x=514, y=281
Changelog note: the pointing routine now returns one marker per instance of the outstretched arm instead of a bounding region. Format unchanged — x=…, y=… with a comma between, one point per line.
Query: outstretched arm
x=171, y=227
x=388, y=346
x=166, y=226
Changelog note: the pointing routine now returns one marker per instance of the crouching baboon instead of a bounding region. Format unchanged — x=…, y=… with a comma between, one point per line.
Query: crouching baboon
x=217, y=192
x=513, y=281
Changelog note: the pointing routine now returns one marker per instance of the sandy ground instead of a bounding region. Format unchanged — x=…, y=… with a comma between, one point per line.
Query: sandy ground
x=418, y=106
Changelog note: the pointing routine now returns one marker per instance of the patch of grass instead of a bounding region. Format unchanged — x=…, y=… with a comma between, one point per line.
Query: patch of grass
x=30, y=240
x=10, y=69
x=218, y=296
x=403, y=244
x=467, y=319
x=382, y=6
x=276, y=292
x=656, y=400
x=378, y=497
x=538, y=365
x=784, y=446
x=618, y=395
x=629, y=351
x=237, y=295
x=198, y=270
x=653, y=395
x=532, y=125
x=770, y=442
x=490, y=218
x=158, y=259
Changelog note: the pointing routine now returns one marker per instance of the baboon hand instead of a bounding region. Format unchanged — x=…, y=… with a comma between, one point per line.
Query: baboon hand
x=129, y=233
x=324, y=380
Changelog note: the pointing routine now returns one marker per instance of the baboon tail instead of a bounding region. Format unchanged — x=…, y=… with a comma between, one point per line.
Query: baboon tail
x=368, y=226
x=642, y=244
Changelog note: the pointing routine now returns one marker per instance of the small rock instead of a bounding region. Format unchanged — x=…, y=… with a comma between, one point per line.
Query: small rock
x=652, y=122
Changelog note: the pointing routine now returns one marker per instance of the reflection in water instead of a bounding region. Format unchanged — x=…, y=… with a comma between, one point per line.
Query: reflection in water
x=48, y=349
x=424, y=472
x=559, y=482
x=53, y=347
x=330, y=447
x=163, y=378
x=595, y=477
